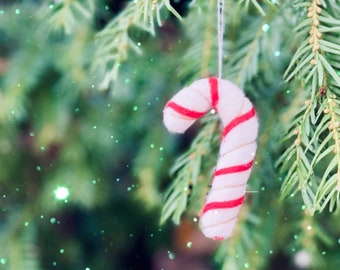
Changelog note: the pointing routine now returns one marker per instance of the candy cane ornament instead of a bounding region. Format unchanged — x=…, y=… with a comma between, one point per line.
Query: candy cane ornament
x=237, y=150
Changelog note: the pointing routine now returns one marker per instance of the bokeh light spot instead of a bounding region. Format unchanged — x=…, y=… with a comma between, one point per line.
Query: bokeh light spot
x=61, y=193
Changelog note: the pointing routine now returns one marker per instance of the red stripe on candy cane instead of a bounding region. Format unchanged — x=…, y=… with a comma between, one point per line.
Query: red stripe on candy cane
x=229, y=179
x=237, y=121
x=223, y=205
x=234, y=169
x=214, y=92
x=184, y=111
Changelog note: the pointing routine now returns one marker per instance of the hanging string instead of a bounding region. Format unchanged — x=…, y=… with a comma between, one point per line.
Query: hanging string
x=220, y=32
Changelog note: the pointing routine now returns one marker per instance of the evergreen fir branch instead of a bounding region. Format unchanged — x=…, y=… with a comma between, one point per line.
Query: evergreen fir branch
x=310, y=149
x=201, y=57
x=317, y=128
x=171, y=9
x=315, y=46
x=327, y=66
x=244, y=64
x=67, y=14
x=210, y=29
x=256, y=5
x=39, y=58
x=243, y=55
x=114, y=41
x=329, y=188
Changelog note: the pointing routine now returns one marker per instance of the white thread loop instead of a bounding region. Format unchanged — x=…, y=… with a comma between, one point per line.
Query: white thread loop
x=220, y=32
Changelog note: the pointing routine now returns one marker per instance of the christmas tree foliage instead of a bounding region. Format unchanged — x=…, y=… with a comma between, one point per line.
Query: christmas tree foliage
x=91, y=179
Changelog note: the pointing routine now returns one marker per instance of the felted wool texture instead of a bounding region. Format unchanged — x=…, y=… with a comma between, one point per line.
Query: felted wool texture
x=237, y=150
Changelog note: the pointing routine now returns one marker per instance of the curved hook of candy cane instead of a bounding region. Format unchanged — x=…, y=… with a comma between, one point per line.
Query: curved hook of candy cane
x=237, y=150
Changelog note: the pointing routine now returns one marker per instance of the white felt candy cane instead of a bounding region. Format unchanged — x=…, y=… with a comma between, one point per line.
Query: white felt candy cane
x=237, y=151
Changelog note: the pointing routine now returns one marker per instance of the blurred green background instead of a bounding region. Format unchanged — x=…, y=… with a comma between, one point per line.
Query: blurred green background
x=85, y=159
x=79, y=165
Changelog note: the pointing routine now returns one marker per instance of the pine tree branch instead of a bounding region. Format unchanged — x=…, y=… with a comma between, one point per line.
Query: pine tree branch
x=114, y=41
x=200, y=58
x=256, y=5
x=243, y=60
x=208, y=41
x=316, y=128
x=67, y=14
